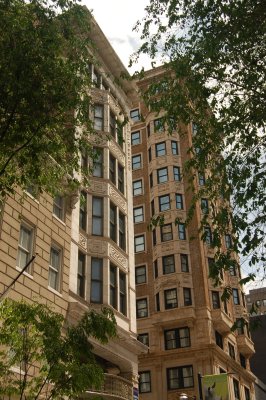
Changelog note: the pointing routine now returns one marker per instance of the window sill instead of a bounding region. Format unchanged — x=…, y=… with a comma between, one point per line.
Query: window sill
x=59, y=220
x=25, y=272
x=55, y=291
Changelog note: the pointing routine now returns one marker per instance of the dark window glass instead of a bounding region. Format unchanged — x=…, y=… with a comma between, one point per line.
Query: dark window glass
x=166, y=233
x=122, y=231
x=187, y=297
x=176, y=338
x=155, y=268
x=112, y=222
x=236, y=389
x=160, y=149
x=219, y=340
x=157, y=301
x=168, y=264
x=164, y=202
x=113, y=286
x=231, y=350
x=81, y=274
x=96, y=280
x=174, y=147
x=135, y=115
x=145, y=382
x=144, y=338
x=112, y=168
x=97, y=216
x=140, y=274
x=179, y=201
x=236, y=298
x=180, y=377
x=151, y=180
x=154, y=237
x=228, y=241
x=247, y=393
x=137, y=188
x=98, y=117
x=181, y=231
x=98, y=163
x=112, y=124
x=152, y=208
x=83, y=211
x=135, y=138
x=207, y=235
x=121, y=178
x=243, y=362
x=162, y=175
x=122, y=293
x=216, y=300
x=149, y=154
x=142, y=308
x=170, y=299
x=177, y=174
x=184, y=262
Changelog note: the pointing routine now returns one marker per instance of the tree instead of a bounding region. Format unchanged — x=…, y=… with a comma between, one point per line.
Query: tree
x=44, y=97
x=41, y=358
x=214, y=57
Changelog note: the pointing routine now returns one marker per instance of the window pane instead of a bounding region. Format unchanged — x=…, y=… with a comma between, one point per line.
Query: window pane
x=135, y=138
x=162, y=175
x=177, y=174
x=164, y=202
x=160, y=149
x=138, y=214
x=137, y=188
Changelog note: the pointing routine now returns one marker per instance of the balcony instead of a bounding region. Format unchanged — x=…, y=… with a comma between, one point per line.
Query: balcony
x=114, y=387
x=245, y=345
x=221, y=321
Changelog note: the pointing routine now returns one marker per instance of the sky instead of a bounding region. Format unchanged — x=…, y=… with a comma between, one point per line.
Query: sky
x=116, y=19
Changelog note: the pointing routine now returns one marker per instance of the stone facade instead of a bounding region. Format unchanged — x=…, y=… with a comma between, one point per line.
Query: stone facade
x=180, y=315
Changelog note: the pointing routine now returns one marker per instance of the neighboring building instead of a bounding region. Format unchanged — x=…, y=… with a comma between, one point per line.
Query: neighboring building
x=257, y=297
x=180, y=313
x=85, y=248
x=258, y=335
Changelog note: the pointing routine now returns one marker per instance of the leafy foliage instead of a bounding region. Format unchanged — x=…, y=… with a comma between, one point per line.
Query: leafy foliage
x=41, y=358
x=214, y=59
x=44, y=99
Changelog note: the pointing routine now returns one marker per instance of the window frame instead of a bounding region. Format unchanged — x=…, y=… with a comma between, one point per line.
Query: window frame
x=180, y=377
x=136, y=164
x=216, y=301
x=140, y=188
x=138, y=139
x=176, y=339
x=59, y=207
x=177, y=173
x=141, y=244
x=174, y=148
x=55, y=269
x=164, y=202
x=187, y=296
x=97, y=281
x=138, y=218
x=166, y=235
x=144, y=309
x=171, y=301
x=146, y=382
x=25, y=250
x=97, y=217
x=98, y=119
x=181, y=230
x=135, y=115
x=83, y=214
x=143, y=275
x=158, y=151
x=98, y=162
x=182, y=263
x=179, y=202
x=162, y=178
x=166, y=265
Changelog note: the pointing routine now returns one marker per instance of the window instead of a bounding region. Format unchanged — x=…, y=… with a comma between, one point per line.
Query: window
x=112, y=124
x=154, y=238
x=54, y=268
x=215, y=300
x=194, y=128
x=98, y=163
x=135, y=138
x=122, y=231
x=184, y=262
x=98, y=117
x=187, y=297
x=160, y=149
x=97, y=216
x=162, y=175
x=176, y=338
x=228, y=241
x=179, y=201
x=83, y=211
x=242, y=360
x=144, y=338
x=151, y=180
x=168, y=264
x=181, y=231
x=152, y=208
x=177, y=174
x=236, y=298
x=136, y=161
x=204, y=206
x=155, y=269
x=112, y=222
x=140, y=274
x=25, y=245
x=157, y=301
x=231, y=351
x=149, y=154
x=121, y=178
x=58, y=207
x=96, y=280
x=81, y=274
x=207, y=235
x=145, y=382
x=122, y=293
x=240, y=326
x=170, y=299
x=166, y=233
x=135, y=115
x=113, y=287
x=142, y=308
x=219, y=339
x=180, y=377
x=148, y=130
x=164, y=202
x=158, y=125
x=247, y=393
x=96, y=78
x=232, y=270
x=112, y=174
x=138, y=214
x=236, y=389
x=174, y=147
x=139, y=243
x=84, y=161
x=137, y=188
x=202, y=179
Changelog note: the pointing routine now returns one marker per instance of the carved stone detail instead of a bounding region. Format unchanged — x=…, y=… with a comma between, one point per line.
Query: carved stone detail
x=117, y=257
x=83, y=241
x=98, y=246
x=99, y=187
x=115, y=196
x=117, y=152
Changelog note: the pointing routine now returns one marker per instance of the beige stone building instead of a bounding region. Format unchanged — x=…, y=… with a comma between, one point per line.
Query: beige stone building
x=85, y=254
x=258, y=298
x=180, y=314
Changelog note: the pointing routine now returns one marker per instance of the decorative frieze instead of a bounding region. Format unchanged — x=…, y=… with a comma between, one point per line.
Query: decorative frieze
x=82, y=241
x=117, y=199
x=117, y=257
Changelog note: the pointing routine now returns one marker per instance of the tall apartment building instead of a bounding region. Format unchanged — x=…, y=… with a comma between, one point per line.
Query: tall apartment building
x=85, y=248
x=180, y=314
x=258, y=298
